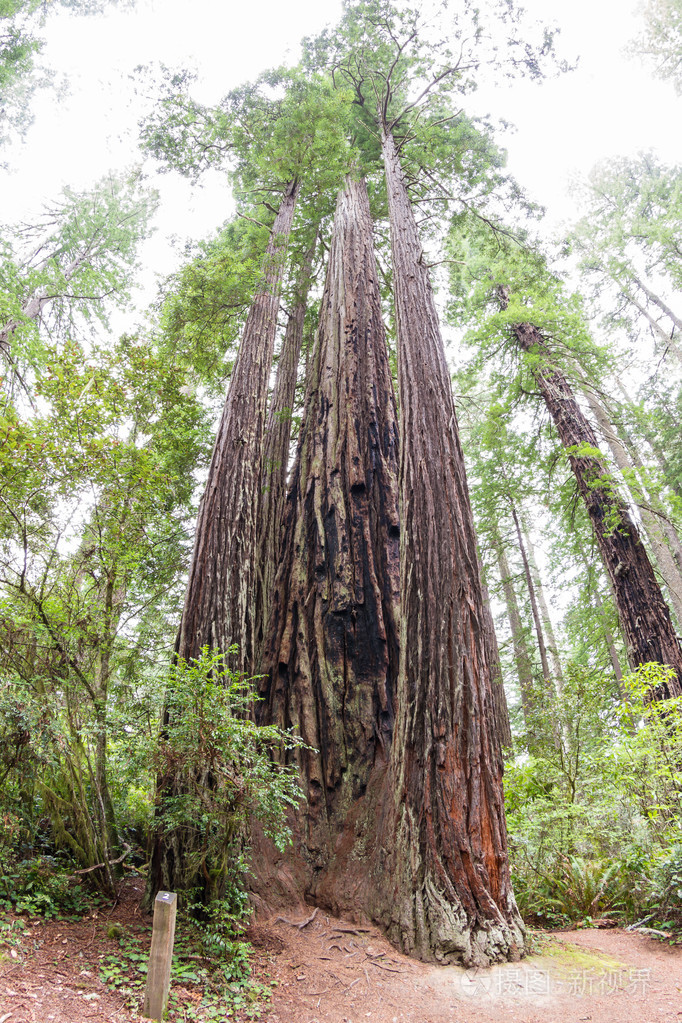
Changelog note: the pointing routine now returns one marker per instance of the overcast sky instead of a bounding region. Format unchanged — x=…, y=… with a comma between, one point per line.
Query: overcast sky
x=609, y=106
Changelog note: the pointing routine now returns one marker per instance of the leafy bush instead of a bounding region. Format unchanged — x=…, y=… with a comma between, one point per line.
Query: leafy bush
x=226, y=771
x=39, y=887
x=594, y=810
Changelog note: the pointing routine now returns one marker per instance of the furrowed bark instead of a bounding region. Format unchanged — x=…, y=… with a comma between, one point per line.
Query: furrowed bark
x=664, y=541
x=333, y=646
x=499, y=697
x=443, y=885
x=643, y=612
x=220, y=597
x=276, y=451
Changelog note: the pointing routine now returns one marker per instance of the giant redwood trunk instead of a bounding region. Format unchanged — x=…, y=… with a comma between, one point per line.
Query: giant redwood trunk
x=643, y=612
x=220, y=598
x=333, y=644
x=442, y=872
x=276, y=451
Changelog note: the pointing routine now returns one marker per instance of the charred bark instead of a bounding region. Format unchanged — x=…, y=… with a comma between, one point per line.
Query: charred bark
x=643, y=612
x=332, y=653
x=442, y=873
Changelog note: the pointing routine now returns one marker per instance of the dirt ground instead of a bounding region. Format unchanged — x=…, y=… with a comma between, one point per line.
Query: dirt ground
x=332, y=971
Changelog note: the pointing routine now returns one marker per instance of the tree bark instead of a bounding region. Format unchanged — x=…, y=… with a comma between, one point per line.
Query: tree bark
x=220, y=597
x=552, y=645
x=522, y=658
x=654, y=521
x=643, y=612
x=535, y=610
x=500, y=708
x=276, y=451
x=332, y=652
x=442, y=872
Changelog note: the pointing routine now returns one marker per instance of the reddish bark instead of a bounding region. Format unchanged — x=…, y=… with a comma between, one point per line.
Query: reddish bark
x=332, y=651
x=276, y=452
x=643, y=612
x=220, y=597
x=444, y=887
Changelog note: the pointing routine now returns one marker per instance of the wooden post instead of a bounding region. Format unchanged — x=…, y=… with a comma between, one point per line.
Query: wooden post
x=158, y=975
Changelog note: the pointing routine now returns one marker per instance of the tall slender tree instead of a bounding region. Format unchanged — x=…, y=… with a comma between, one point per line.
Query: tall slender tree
x=644, y=614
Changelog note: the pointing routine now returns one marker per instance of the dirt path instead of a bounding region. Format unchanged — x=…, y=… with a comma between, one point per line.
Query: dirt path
x=332, y=971
x=331, y=975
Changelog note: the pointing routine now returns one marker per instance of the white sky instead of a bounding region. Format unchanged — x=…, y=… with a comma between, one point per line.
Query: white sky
x=610, y=105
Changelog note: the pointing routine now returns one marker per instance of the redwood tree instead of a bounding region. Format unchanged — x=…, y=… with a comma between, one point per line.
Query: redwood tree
x=276, y=448
x=220, y=596
x=644, y=615
x=332, y=653
x=447, y=885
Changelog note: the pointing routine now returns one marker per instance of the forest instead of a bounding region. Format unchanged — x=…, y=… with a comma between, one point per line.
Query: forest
x=351, y=577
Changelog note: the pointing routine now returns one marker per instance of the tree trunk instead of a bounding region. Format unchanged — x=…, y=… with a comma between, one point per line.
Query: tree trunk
x=535, y=610
x=552, y=645
x=220, y=597
x=659, y=302
x=650, y=439
x=644, y=615
x=654, y=521
x=442, y=875
x=522, y=658
x=332, y=652
x=500, y=708
x=666, y=339
x=276, y=451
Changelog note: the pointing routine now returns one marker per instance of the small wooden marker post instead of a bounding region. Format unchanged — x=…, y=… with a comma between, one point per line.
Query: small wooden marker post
x=158, y=975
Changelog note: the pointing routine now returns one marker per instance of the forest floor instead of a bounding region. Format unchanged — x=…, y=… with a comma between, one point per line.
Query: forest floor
x=334, y=971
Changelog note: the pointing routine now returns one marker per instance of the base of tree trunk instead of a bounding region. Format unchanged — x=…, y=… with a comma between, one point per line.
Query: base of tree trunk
x=369, y=880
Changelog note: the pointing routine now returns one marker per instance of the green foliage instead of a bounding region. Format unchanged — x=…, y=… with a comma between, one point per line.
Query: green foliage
x=595, y=813
x=661, y=42
x=95, y=494
x=41, y=887
x=210, y=980
x=227, y=770
x=64, y=269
